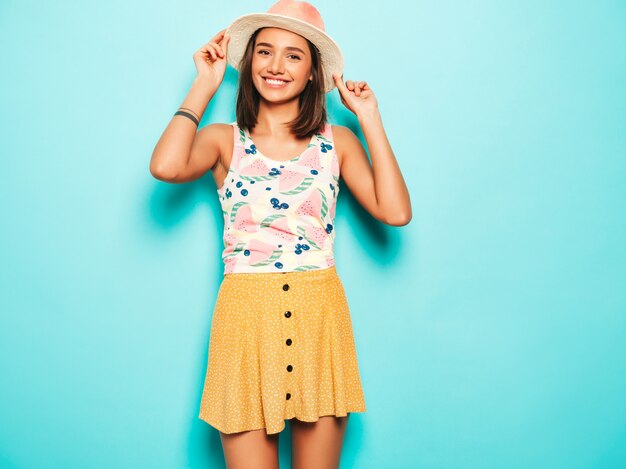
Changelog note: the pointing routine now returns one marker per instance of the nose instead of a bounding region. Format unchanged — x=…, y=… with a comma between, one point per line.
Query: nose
x=276, y=65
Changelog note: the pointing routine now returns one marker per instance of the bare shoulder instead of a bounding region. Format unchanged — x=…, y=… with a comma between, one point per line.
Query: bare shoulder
x=344, y=136
x=346, y=142
x=216, y=129
x=217, y=133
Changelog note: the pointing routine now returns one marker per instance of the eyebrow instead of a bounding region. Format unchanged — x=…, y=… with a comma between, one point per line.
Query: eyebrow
x=267, y=44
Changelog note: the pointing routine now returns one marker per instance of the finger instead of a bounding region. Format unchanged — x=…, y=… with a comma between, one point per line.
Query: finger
x=350, y=85
x=211, y=49
x=209, y=52
x=216, y=49
x=339, y=82
x=224, y=45
x=224, y=40
x=218, y=37
x=219, y=49
x=344, y=92
x=355, y=87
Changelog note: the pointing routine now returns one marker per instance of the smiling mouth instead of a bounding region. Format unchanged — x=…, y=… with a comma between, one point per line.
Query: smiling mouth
x=275, y=83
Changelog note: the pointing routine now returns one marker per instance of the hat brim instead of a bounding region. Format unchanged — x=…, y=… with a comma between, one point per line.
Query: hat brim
x=243, y=27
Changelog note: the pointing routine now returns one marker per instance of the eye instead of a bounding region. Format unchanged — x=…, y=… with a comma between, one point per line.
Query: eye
x=290, y=55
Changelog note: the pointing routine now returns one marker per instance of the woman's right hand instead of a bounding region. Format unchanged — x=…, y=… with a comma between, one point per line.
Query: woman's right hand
x=211, y=58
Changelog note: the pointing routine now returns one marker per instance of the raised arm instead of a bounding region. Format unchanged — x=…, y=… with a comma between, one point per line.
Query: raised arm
x=184, y=153
x=379, y=187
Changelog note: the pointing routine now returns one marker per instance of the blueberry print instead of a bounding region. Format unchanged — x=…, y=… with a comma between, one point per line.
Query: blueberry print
x=284, y=226
x=326, y=147
x=287, y=224
x=301, y=247
x=277, y=205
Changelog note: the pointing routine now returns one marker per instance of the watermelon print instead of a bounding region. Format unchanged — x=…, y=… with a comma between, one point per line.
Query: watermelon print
x=241, y=218
x=315, y=205
x=279, y=215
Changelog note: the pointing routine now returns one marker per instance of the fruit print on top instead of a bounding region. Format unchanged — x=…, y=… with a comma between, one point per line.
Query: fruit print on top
x=279, y=215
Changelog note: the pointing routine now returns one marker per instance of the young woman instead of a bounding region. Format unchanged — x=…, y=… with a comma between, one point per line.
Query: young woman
x=281, y=343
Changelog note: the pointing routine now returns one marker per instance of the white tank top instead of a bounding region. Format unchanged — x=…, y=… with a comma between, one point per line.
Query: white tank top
x=279, y=215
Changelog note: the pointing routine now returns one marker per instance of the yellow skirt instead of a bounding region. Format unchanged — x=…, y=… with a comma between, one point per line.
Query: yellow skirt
x=281, y=347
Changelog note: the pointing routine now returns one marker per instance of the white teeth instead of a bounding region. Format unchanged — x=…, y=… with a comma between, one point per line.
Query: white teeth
x=275, y=82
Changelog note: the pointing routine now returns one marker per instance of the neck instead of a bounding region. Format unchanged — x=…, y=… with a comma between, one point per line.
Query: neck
x=272, y=118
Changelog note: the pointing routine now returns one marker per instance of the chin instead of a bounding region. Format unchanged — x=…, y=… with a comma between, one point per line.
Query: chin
x=278, y=96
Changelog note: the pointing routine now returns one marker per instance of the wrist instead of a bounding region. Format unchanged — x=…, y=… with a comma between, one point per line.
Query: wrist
x=369, y=115
x=205, y=82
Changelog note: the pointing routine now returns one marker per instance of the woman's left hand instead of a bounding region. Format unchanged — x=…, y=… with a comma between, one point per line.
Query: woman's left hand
x=357, y=96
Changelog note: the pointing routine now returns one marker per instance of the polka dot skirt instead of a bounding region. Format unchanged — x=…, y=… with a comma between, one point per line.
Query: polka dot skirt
x=281, y=347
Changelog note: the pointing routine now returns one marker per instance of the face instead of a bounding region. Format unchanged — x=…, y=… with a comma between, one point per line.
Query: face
x=284, y=56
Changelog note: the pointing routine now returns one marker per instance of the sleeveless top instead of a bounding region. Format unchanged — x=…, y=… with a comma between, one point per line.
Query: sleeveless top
x=279, y=215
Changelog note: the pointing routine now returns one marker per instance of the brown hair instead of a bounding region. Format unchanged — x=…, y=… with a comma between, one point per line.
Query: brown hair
x=312, y=101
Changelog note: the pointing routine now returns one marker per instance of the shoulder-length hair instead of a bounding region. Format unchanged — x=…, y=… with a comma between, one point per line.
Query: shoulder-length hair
x=312, y=102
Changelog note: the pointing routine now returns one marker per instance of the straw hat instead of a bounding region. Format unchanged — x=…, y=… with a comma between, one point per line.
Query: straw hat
x=299, y=17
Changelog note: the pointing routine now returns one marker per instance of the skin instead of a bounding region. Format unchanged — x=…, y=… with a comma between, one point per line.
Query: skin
x=184, y=154
x=314, y=445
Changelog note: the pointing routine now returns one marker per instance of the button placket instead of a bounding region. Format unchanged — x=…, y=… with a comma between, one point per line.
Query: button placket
x=287, y=344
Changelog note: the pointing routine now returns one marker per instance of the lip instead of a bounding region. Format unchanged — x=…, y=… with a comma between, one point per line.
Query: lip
x=269, y=85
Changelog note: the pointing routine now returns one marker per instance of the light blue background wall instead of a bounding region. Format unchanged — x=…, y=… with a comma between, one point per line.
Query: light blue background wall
x=490, y=330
